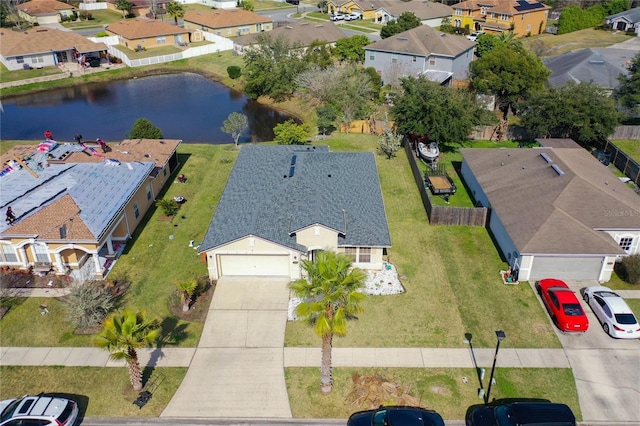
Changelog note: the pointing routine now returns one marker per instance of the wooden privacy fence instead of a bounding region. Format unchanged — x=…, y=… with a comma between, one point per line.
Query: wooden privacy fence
x=443, y=215
x=623, y=162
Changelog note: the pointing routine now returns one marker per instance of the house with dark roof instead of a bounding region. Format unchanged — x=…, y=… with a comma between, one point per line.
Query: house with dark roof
x=299, y=33
x=554, y=211
x=227, y=23
x=430, y=13
x=147, y=33
x=601, y=67
x=282, y=204
x=423, y=50
x=75, y=206
x=522, y=17
x=44, y=47
x=43, y=12
x=629, y=20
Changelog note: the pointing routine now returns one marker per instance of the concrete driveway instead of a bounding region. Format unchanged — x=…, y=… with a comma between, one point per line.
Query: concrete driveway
x=606, y=370
x=238, y=367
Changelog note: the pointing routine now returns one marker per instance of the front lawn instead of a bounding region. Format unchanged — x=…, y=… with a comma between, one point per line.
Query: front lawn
x=100, y=17
x=6, y=76
x=440, y=389
x=552, y=45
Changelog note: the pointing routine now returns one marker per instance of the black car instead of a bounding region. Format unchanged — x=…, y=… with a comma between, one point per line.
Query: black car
x=520, y=413
x=396, y=416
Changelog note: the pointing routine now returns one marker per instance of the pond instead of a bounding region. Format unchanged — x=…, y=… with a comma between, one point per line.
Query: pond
x=184, y=106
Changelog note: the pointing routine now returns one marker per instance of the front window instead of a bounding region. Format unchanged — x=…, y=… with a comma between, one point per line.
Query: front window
x=394, y=58
x=458, y=12
x=372, y=56
x=365, y=255
x=41, y=252
x=504, y=17
x=351, y=253
x=8, y=253
x=136, y=212
x=626, y=243
x=161, y=40
x=432, y=61
x=20, y=59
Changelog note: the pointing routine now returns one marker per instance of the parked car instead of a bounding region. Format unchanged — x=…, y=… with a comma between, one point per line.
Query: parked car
x=474, y=35
x=396, y=416
x=612, y=312
x=39, y=410
x=520, y=413
x=562, y=304
x=336, y=17
x=296, y=2
x=352, y=17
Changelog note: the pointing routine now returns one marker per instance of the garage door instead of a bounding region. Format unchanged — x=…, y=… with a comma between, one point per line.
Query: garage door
x=580, y=268
x=254, y=265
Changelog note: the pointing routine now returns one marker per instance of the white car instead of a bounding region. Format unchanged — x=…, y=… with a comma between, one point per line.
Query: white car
x=612, y=312
x=474, y=35
x=336, y=17
x=352, y=17
x=38, y=410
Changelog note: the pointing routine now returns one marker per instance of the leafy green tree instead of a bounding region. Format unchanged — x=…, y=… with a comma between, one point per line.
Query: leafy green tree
x=322, y=5
x=4, y=13
x=351, y=48
x=445, y=114
x=145, y=129
x=125, y=6
x=248, y=5
x=405, y=22
x=616, y=6
x=330, y=298
x=574, y=18
x=485, y=43
x=629, y=91
x=319, y=53
x=352, y=95
x=187, y=288
x=291, y=133
x=389, y=143
x=583, y=112
x=125, y=332
x=509, y=74
x=235, y=125
x=327, y=116
x=488, y=42
x=272, y=67
x=176, y=11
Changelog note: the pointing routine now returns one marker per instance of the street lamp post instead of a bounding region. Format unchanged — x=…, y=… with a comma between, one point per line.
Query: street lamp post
x=500, y=335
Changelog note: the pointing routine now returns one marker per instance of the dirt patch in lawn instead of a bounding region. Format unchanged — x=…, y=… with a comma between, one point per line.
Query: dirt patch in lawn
x=372, y=391
x=200, y=301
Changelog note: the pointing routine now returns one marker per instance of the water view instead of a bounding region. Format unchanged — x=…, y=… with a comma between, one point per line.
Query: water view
x=185, y=106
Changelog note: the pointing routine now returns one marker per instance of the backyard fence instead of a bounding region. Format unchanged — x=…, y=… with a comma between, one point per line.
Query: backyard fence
x=623, y=162
x=627, y=132
x=443, y=215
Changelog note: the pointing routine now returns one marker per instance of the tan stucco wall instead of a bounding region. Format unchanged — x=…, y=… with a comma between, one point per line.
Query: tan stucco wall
x=317, y=237
x=376, y=259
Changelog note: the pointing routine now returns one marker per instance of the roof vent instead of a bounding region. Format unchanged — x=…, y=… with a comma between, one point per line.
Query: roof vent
x=596, y=61
x=402, y=38
x=292, y=170
x=557, y=169
x=546, y=157
x=293, y=159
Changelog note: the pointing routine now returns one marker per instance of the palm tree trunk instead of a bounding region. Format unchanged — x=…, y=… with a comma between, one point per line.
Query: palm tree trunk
x=325, y=368
x=135, y=374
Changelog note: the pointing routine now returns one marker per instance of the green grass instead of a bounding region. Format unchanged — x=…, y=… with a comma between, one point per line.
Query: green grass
x=451, y=277
x=552, y=45
x=98, y=391
x=630, y=147
x=100, y=17
x=7, y=76
x=634, y=304
x=437, y=388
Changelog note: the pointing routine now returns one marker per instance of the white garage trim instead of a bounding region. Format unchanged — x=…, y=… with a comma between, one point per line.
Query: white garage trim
x=253, y=265
x=568, y=268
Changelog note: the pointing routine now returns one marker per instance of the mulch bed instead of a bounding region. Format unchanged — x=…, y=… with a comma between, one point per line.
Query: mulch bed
x=24, y=279
x=199, y=305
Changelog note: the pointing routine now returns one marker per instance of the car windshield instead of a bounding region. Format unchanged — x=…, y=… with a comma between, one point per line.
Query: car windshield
x=572, y=309
x=504, y=416
x=626, y=319
x=9, y=409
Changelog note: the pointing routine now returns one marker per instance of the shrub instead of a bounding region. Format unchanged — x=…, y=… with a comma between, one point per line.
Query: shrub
x=88, y=304
x=630, y=269
x=169, y=207
x=234, y=71
x=145, y=129
x=291, y=133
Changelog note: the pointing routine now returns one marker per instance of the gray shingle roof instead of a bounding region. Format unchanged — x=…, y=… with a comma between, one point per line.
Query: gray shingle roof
x=631, y=15
x=425, y=41
x=339, y=190
x=545, y=212
x=600, y=66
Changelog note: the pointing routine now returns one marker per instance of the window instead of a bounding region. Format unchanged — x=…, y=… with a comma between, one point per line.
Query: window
x=41, y=252
x=161, y=40
x=372, y=56
x=351, y=252
x=432, y=60
x=626, y=243
x=522, y=17
x=20, y=59
x=148, y=191
x=394, y=58
x=483, y=10
x=164, y=171
x=136, y=212
x=458, y=12
x=8, y=253
x=414, y=59
x=529, y=27
x=504, y=17
x=365, y=255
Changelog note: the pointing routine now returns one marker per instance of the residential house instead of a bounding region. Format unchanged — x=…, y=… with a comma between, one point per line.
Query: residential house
x=227, y=23
x=421, y=51
x=75, y=206
x=142, y=8
x=523, y=17
x=601, y=67
x=367, y=9
x=429, y=13
x=300, y=33
x=281, y=204
x=629, y=20
x=147, y=33
x=44, y=47
x=43, y=12
x=555, y=211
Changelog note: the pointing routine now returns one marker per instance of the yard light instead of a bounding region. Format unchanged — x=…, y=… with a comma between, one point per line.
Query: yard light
x=500, y=336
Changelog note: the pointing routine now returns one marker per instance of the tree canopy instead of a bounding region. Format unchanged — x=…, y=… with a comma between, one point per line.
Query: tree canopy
x=145, y=129
x=629, y=91
x=509, y=74
x=235, y=125
x=445, y=114
x=175, y=10
x=406, y=21
x=488, y=42
x=291, y=133
x=125, y=6
x=351, y=48
x=583, y=112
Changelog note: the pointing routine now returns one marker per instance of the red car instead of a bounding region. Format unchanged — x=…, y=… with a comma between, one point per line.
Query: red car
x=562, y=304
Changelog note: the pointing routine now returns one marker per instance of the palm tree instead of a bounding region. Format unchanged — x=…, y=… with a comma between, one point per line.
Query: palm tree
x=330, y=297
x=509, y=40
x=175, y=10
x=187, y=288
x=122, y=334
